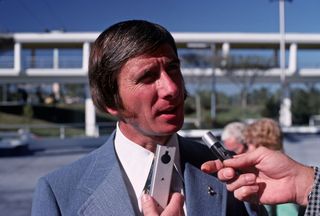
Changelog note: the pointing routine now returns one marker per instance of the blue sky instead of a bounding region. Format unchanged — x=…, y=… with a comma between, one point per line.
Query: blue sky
x=175, y=15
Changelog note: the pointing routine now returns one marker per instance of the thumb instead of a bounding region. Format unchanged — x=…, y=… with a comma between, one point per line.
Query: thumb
x=149, y=206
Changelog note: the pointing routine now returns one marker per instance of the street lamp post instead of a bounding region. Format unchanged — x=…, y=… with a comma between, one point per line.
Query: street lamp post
x=282, y=41
x=213, y=92
x=285, y=117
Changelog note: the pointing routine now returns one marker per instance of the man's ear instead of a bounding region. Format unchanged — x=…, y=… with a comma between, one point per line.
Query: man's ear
x=112, y=111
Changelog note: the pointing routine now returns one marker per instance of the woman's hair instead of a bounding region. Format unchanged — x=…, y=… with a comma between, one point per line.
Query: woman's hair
x=264, y=132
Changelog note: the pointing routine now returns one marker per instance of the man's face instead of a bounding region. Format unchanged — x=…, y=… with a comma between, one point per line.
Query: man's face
x=151, y=88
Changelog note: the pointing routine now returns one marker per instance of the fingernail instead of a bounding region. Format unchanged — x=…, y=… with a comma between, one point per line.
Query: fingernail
x=250, y=179
x=204, y=168
x=228, y=174
x=256, y=188
x=145, y=197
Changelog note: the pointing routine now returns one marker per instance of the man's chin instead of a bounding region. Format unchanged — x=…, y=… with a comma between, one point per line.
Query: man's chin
x=171, y=128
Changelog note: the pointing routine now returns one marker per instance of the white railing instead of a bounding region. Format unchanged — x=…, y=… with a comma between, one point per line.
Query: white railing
x=59, y=130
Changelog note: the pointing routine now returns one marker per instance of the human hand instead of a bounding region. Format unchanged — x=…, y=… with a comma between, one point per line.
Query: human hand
x=266, y=176
x=174, y=208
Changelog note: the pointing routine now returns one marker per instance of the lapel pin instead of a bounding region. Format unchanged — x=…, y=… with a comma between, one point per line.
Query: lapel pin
x=211, y=192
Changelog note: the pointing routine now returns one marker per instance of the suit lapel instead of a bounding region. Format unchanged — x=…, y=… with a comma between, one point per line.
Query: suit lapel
x=105, y=184
x=205, y=191
x=110, y=198
x=205, y=194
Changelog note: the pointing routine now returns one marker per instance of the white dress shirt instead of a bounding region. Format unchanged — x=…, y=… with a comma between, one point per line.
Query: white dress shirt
x=136, y=162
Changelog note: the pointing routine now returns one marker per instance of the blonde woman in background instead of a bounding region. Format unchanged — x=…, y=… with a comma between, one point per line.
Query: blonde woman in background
x=264, y=132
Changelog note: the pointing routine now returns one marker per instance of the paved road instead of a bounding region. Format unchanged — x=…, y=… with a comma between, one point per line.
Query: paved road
x=303, y=148
x=18, y=175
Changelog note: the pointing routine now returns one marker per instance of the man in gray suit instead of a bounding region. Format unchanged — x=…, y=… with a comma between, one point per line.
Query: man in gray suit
x=134, y=75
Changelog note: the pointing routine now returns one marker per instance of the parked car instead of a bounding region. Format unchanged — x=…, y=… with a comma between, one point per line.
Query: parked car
x=14, y=142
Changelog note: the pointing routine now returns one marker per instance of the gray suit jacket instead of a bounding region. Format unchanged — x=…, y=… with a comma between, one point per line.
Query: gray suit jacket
x=94, y=185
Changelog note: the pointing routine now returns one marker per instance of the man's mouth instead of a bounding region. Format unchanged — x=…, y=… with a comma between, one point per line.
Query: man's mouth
x=169, y=110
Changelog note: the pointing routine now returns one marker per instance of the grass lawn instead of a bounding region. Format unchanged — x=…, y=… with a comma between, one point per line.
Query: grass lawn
x=9, y=122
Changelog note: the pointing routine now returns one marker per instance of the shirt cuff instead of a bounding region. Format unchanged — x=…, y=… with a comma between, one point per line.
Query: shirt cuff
x=313, y=207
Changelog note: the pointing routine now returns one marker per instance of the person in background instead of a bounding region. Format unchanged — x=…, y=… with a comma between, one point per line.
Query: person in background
x=135, y=76
x=269, y=177
x=233, y=137
x=264, y=132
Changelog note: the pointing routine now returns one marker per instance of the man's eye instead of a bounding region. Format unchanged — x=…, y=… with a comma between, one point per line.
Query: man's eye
x=174, y=70
x=148, y=77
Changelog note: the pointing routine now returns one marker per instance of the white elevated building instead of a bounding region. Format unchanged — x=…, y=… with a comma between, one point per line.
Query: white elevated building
x=19, y=58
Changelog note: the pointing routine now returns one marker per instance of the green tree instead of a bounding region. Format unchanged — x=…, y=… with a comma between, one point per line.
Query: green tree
x=243, y=71
x=305, y=102
x=271, y=107
x=28, y=112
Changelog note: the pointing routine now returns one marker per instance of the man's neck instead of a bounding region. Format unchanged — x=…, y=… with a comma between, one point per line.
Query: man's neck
x=147, y=141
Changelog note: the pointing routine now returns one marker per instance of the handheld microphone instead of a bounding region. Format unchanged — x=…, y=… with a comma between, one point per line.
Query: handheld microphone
x=216, y=146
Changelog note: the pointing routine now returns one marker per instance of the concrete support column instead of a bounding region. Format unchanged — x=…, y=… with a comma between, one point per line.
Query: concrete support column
x=17, y=57
x=85, y=56
x=293, y=58
x=90, y=115
x=55, y=58
x=90, y=112
x=285, y=115
x=225, y=49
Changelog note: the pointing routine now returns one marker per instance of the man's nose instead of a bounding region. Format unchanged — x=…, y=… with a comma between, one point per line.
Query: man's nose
x=167, y=87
